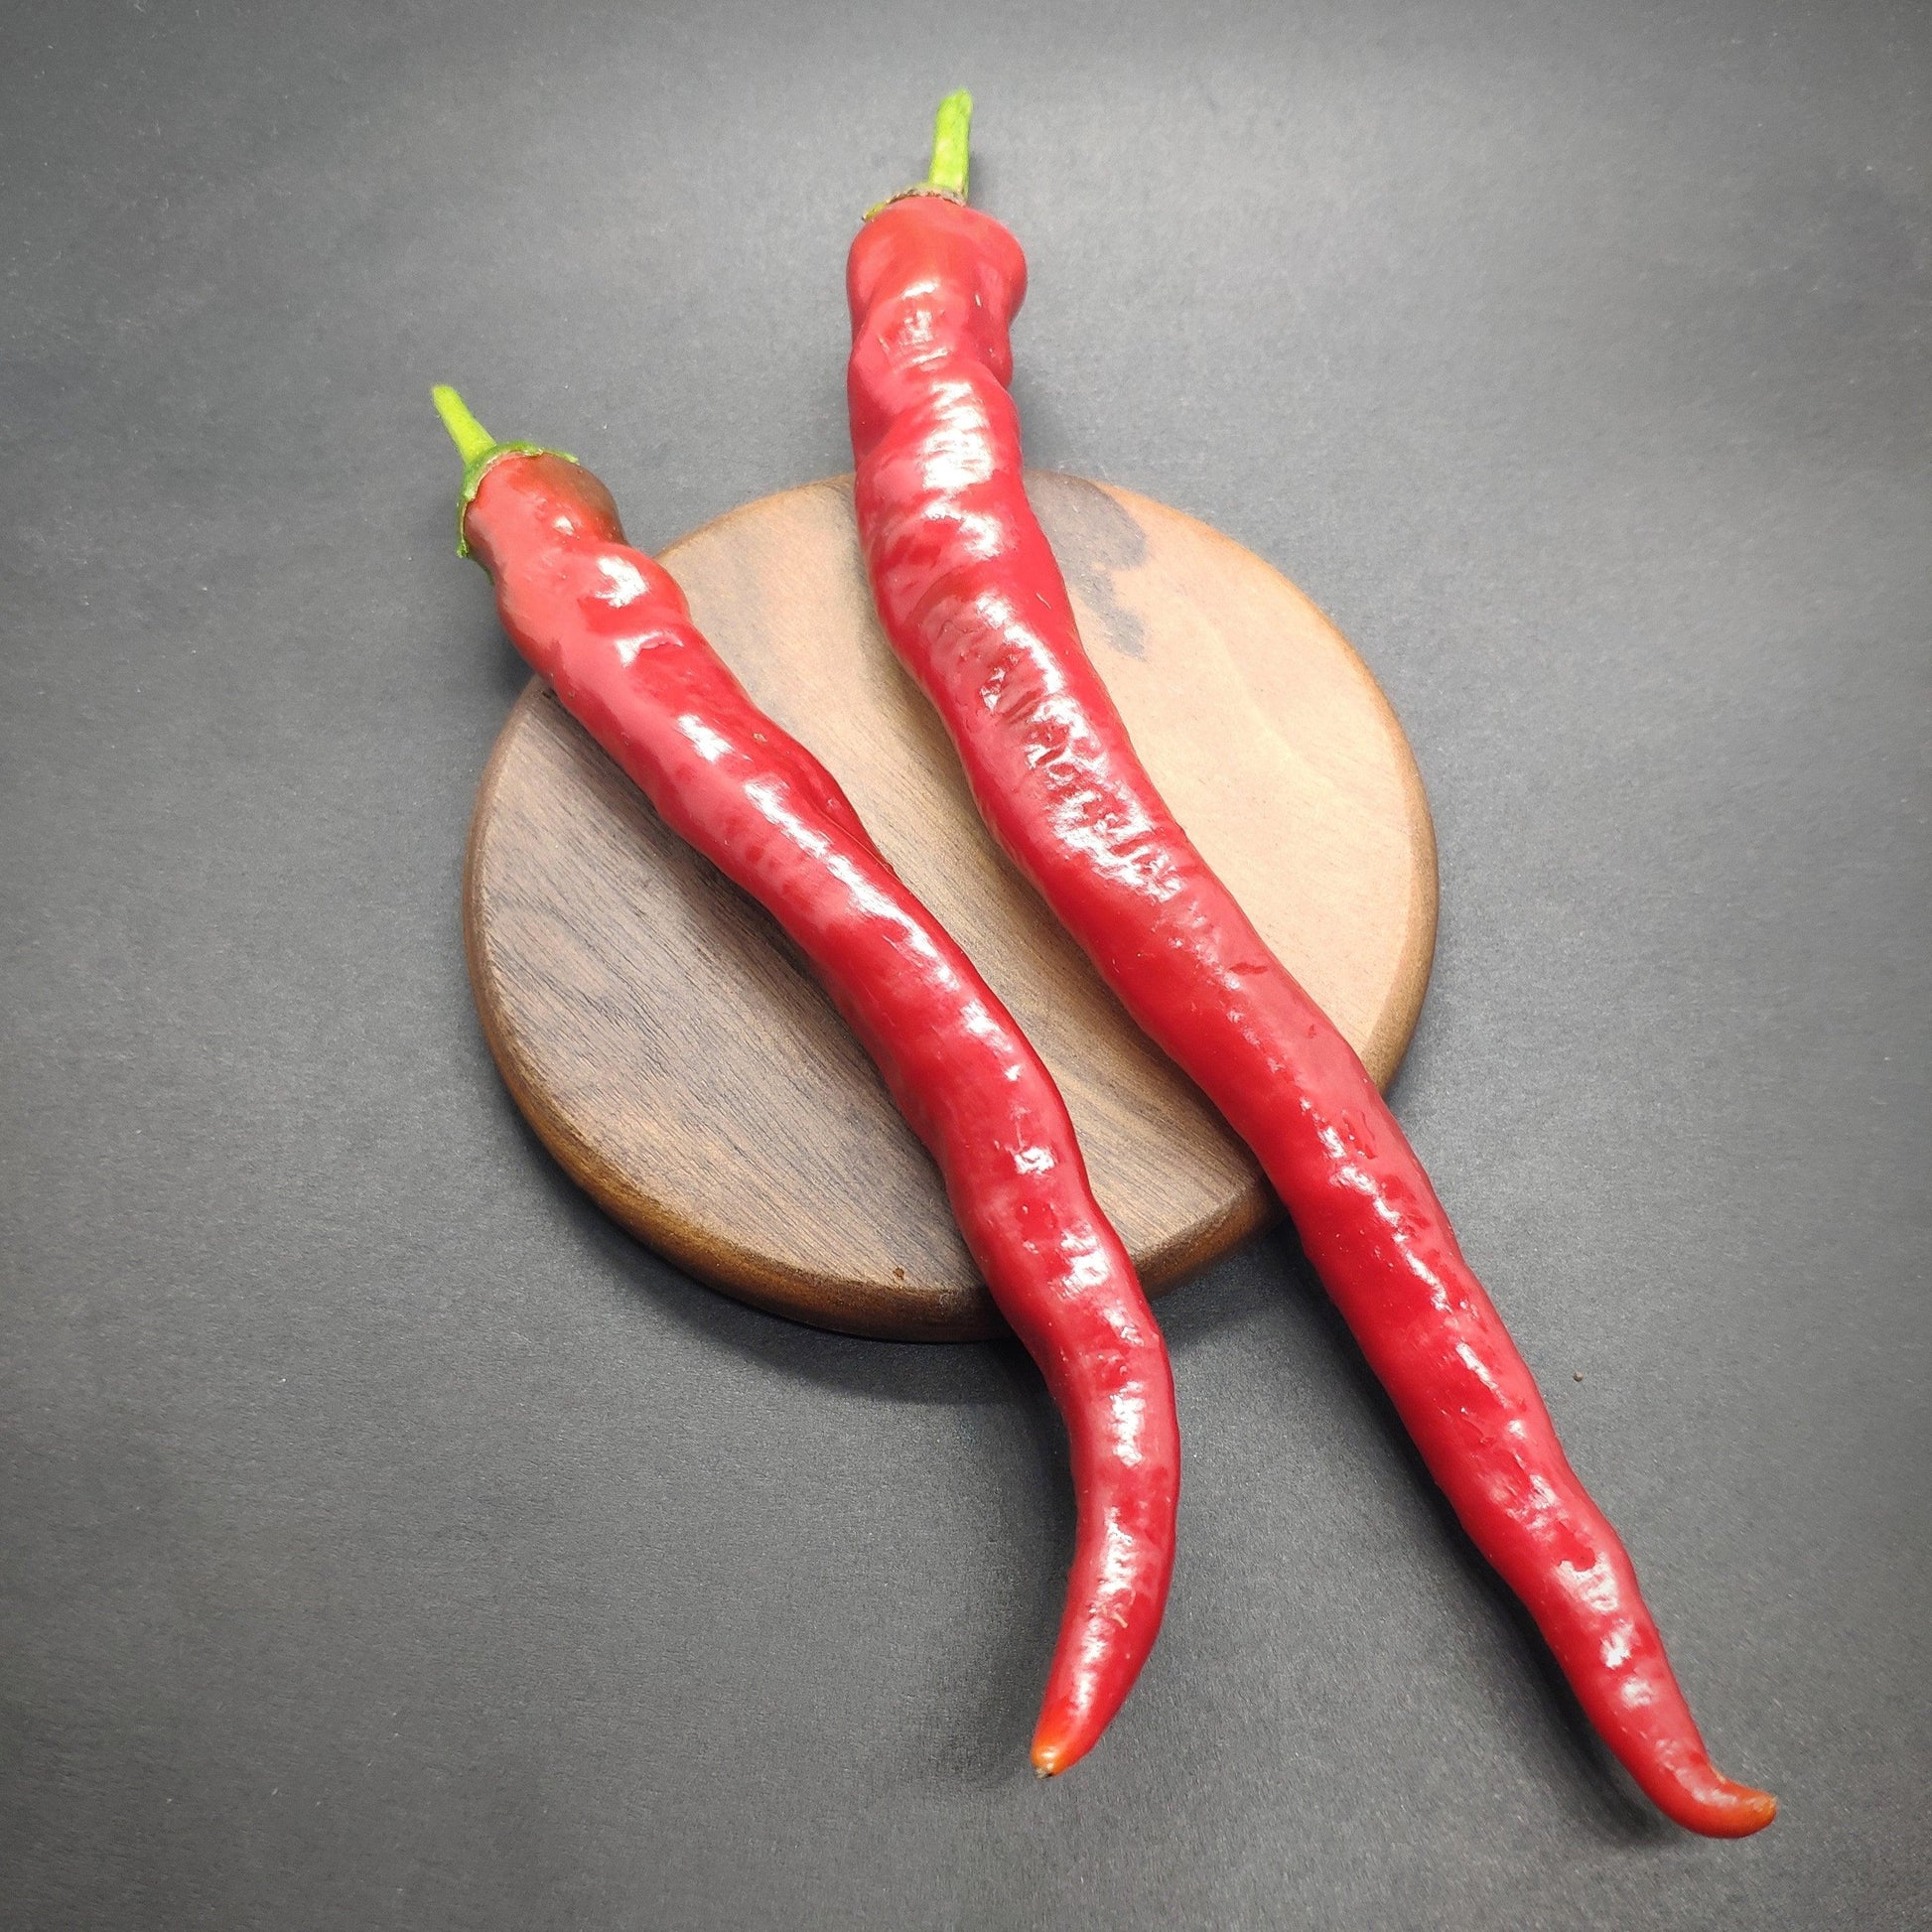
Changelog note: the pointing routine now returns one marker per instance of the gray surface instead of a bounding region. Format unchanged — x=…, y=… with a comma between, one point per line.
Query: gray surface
x=385, y=1540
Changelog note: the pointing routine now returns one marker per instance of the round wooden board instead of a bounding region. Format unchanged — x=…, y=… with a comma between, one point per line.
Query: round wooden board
x=678, y=1059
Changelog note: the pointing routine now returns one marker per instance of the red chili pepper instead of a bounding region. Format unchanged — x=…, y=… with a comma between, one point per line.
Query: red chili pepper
x=974, y=602
x=610, y=630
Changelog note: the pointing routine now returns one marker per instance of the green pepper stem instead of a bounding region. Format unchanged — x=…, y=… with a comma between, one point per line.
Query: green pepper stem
x=472, y=440
x=949, y=146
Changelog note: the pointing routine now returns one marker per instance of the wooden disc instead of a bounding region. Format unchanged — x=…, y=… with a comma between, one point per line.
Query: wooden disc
x=675, y=1055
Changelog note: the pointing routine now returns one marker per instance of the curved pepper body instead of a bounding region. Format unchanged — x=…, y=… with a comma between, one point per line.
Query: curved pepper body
x=973, y=600
x=610, y=630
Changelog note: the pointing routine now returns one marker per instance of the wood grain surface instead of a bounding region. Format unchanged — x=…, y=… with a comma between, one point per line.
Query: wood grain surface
x=674, y=1055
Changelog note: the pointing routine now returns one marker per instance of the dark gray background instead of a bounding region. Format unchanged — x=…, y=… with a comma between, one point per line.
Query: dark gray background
x=391, y=1542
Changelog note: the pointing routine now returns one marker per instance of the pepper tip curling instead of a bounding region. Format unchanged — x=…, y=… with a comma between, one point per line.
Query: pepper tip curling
x=1738, y=1811
x=1059, y=1750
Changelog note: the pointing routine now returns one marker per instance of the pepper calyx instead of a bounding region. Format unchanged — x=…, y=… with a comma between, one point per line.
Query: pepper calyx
x=923, y=190
x=475, y=470
x=478, y=450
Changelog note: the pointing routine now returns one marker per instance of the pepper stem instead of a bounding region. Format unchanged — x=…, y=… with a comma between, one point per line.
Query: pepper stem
x=949, y=144
x=472, y=440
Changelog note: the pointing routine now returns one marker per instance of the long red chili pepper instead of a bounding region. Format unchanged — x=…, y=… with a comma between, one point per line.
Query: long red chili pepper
x=610, y=630
x=974, y=602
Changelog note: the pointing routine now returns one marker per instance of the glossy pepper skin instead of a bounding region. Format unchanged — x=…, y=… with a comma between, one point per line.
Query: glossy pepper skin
x=610, y=630
x=974, y=602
